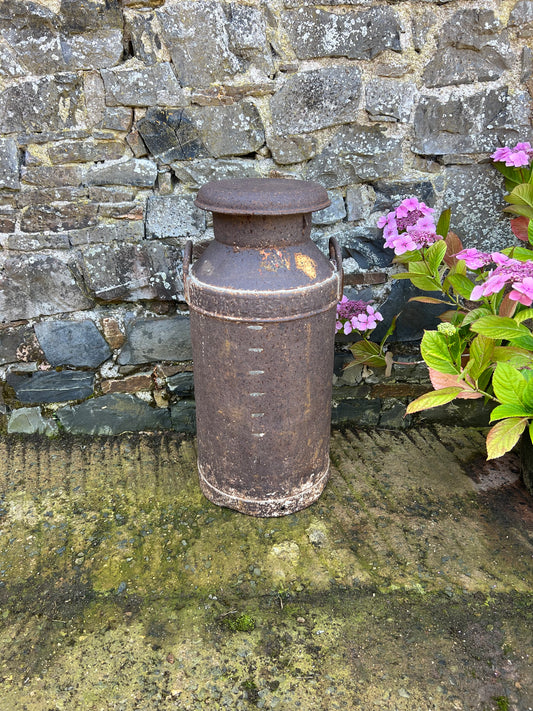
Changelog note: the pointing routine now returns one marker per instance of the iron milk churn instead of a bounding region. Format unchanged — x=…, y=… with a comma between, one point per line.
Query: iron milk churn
x=262, y=300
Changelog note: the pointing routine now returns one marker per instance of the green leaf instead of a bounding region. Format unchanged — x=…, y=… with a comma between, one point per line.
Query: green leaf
x=424, y=283
x=504, y=435
x=428, y=300
x=522, y=210
x=521, y=195
x=527, y=397
x=390, y=329
x=523, y=254
x=368, y=353
x=419, y=268
x=433, y=399
x=502, y=411
x=499, y=327
x=461, y=285
x=475, y=314
x=519, y=357
x=434, y=256
x=412, y=256
x=509, y=385
x=481, y=350
x=530, y=232
x=508, y=172
x=436, y=353
x=443, y=225
x=523, y=315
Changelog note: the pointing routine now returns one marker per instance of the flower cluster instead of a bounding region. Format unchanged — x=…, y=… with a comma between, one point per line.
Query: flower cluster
x=508, y=271
x=515, y=157
x=356, y=316
x=409, y=227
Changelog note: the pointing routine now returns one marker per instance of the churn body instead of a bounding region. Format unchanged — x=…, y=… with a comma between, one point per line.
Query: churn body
x=263, y=301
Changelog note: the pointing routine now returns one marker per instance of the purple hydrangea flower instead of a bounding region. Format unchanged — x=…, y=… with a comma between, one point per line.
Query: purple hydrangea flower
x=409, y=227
x=356, y=316
x=519, y=275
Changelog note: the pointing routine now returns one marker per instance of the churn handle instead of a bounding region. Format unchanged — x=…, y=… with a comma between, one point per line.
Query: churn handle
x=336, y=258
x=187, y=259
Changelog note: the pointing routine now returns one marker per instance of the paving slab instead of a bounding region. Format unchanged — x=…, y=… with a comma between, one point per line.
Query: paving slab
x=408, y=585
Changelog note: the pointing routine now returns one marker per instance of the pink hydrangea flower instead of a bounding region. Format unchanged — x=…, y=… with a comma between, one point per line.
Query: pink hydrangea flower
x=519, y=275
x=473, y=258
x=523, y=291
x=409, y=227
x=356, y=316
x=516, y=157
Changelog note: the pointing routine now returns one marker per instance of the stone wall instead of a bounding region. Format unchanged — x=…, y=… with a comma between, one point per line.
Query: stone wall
x=113, y=113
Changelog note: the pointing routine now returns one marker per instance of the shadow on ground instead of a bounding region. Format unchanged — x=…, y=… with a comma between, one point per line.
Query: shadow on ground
x=406, y=586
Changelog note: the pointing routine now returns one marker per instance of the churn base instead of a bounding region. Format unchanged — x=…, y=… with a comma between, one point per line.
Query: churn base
x=268, y=507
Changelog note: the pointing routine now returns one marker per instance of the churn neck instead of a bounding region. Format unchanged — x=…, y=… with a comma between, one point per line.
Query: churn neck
x=260, y=212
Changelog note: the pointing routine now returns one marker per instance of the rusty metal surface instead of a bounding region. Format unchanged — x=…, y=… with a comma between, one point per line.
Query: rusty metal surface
x=262, y=300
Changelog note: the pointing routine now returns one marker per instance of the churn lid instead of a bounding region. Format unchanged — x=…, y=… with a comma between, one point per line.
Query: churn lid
x=262, y=196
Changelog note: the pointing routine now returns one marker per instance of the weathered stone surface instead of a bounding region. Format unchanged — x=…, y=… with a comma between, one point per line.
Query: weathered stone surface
x=38, y=285
x=230, y=130
x=365, y=246
x=171, y=135
x=316, y=99
x=11, y=340
x=193, y=31
x=183, y=416
x=135, y=84
x=133, y=384
x=421, y=24
x=113, y=414
x=335, y=212
x=247, y=28
x=181, y=384
x=475, y=195
x=30, y=195
x=77, y=343
x=356, y=153
x=521, y=18
x=364, y=412
x=198, y=172
x=359, y=200
x=116, y=118
x=90, y=15
x=37, y=218
x=8, y=219
x=292, y=149
x=29, y=420
x=44, y=104
x=85, y=151
x=10, y=67
x=389, y=100
x=173, y=216
x=146, y=37
x=132, y=271
x=388, y=195
x=113, y=333
x=527, y=64
x=36, y=242
x=9, y=164
x=45, y=176
x=364, y=35
x=163, y=339
x=137, y=145
x=51, y=386
x=136, y=171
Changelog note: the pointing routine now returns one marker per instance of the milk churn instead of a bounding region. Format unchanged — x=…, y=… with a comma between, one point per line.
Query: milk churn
x=262, y=300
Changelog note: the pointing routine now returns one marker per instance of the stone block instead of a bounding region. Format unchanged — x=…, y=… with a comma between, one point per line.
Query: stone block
x=58, y=217
x=85, y=151
x=113, y=414
x=193, y=31
x=421, y=25
x=90, y=15
x=146, y=37
x=181, y=384
x=136, y=84
x=11, y=340
x=105, y=234
x=388, y=195
x=173, y=216
x=10, y=67
x=9, y=164
x=90, y=50
x=171, y=135
x=521, y=18
x=230, y=130
x=133, y=271
x=42, y=104
x=51, y=386
x=362, y=412
x=390, y=100
x=332, y=214
x=316, y=99
x=133, y=384
x=8, y=220
x=198, y=172
x=361, y=35
x=77, y=343
x=292, y=149
x=139, y=172
x=356, y=154
x=183, y=416
x=38, y=285
x=29, y=420
x=163, y=339
x=45, y=176
x=37, y=242
x=113, y=333
x=116, y=118
x=359, y=201
x=452, y=66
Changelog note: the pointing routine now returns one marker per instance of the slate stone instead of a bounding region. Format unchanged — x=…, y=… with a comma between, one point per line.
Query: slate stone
x=183, y=416
x=388, y=195
x=527, y=64
x=10, y=67
x=91, y=50
x=474, y=194
x=198, y=172
x=133, y=271
x=38, y=285
x=138, y=172
x=230, y=130
x=9, y=164
x=37, y=242
x=521, y=18
x=247, y=28
x=145, y=34
x=363, y=35
x=156, y=339
x=43, y=104
x=29, y=420
x=315, y=99
x=171, y=135
x=464, y=66
x=105, y=234
x=193, y=31
x=86, y=150
x=332, y=214
x=52, y=386
x=135, y=84
x=292, y=149
x=77, y=343
x=45, y=176
x=356, y=154
x=359, y=200
x=90, y=15
x=10, y=341
x=58, y=217
x=365, y=245
x=390, y=100
x=181, y=384
x=173, y=216
x=113, y=414
x=421, y=25
x=359, y=411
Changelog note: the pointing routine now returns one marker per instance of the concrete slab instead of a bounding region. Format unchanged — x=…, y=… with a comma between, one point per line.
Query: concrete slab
x=408, y=585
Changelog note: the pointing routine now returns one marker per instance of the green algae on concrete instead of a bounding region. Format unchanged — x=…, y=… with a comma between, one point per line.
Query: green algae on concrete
x=406, y=586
